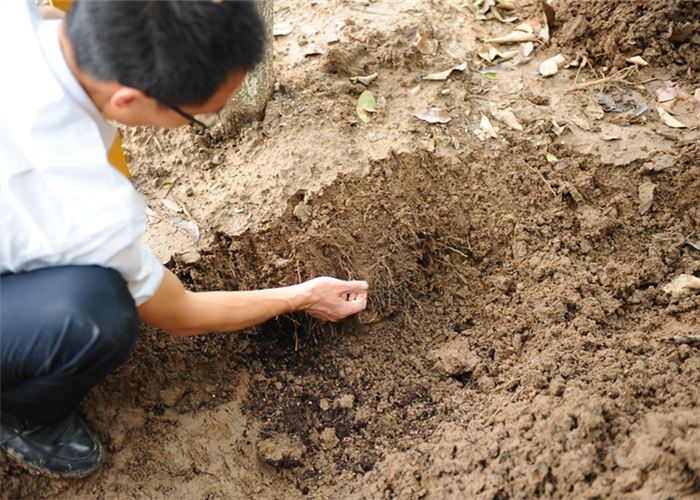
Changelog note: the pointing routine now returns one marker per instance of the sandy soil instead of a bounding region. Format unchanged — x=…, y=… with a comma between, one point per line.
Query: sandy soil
x=516, y=342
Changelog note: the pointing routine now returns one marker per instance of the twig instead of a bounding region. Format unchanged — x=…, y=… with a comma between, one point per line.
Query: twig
x=171, y=186
x=646, y=81
x=187, y=212
x=455, y=250
x=610, y=79
x=466, y=282
x=160, y=146
x=543, y=179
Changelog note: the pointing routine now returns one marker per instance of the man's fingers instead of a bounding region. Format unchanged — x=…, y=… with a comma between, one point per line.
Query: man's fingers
x=336, y=299
x=354, y=307
x=356, y=286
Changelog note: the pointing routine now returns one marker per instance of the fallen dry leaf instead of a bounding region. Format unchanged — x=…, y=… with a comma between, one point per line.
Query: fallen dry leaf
x=445, y=74
x=549, y=12
x=171, y=206
x=667, y=118
x=509, y=54
x=526, y=48
x=435, y=115
x=557, y=129
x=594, y=110
x=525, y=28
x=486, y=126
x=427, y=46
x=551, y=66
x=544, y=32
x=488, y=52
x=507, y=116
x=665, y=94
x=366, y=80
x=637, y=60
x=517, y=36
x=583, y=122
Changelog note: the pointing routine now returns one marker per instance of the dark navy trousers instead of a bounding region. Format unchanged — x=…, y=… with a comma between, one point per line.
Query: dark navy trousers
x=62, y=330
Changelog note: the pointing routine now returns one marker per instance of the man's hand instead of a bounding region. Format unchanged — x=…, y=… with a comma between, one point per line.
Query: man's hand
x=182, y=312
x=332, y=299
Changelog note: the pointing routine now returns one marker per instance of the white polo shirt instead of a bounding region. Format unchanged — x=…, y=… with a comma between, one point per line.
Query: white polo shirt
x=61, y=202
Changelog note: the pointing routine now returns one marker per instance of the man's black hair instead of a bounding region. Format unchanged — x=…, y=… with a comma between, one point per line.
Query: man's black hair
x=176, y=51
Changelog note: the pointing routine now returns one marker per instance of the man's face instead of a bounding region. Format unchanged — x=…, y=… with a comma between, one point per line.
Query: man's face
x=132, y=107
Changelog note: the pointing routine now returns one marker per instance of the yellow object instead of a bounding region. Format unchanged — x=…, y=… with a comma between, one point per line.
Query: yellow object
x=115, y=155
x=116, y=158
x=64, y=5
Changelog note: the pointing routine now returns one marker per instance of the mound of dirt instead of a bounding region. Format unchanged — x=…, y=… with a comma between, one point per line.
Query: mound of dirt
x=666, y=34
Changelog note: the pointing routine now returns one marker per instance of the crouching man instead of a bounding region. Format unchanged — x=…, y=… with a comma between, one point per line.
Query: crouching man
x=76, y=279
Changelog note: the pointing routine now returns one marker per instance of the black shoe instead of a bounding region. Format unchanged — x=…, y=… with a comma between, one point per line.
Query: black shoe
x=65, y=449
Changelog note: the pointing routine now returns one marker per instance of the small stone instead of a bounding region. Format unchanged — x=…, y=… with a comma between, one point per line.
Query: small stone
x=303, y=212
x=646, y=196
x=324, y=404
x=187, y=191
x=217, y=160
x=309, y=31
x=346, y=401
x=332, y=38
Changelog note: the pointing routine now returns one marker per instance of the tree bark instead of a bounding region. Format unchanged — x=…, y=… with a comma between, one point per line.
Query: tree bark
x=249, y=100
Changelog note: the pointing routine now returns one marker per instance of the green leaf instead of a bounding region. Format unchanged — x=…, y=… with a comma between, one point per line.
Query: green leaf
x=366, y=104
x=491, y=76
x=551, y=158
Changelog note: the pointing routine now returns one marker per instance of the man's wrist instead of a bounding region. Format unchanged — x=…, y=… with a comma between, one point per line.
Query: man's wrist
x=300, y=297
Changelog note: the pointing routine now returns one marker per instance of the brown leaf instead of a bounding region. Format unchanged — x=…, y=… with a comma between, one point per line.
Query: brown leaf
x=445, y=74
x=435, y=115
x=549, y=12
x=517, y=36
x=666, y=94
x=594, y=110
x=685, y=283
x=427, y=45
x=668, y=119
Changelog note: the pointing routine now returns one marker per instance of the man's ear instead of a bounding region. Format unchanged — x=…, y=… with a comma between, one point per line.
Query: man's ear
x=124, y=98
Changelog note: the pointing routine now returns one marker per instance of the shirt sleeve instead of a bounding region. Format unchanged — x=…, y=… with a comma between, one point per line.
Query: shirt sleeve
x=140, y=268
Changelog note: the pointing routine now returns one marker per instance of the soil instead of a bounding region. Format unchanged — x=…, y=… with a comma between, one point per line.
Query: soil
x=516, y=339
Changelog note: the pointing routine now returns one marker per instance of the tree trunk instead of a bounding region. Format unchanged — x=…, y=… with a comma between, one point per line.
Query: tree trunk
x=249, y=100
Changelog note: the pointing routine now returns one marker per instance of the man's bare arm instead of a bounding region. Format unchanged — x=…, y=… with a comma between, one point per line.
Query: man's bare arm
x=182, y=312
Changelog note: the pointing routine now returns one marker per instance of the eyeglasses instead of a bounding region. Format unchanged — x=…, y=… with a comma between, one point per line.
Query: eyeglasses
x=201, y=122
